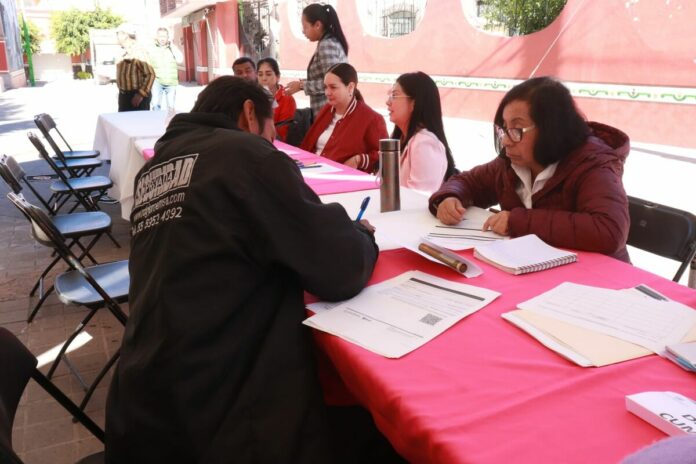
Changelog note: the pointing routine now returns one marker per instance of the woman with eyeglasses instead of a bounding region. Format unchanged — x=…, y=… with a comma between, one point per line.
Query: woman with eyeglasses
x=414, y=108
x=556, y=176
x=346, y=130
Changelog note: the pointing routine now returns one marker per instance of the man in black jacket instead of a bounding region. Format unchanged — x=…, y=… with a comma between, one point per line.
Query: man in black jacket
x=215, y=365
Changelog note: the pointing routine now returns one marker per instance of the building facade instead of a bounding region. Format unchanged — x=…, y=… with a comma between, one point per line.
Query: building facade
x=11, y=53
x=630, y=64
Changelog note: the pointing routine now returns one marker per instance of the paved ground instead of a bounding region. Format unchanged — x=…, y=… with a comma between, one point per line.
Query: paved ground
x=43, y=432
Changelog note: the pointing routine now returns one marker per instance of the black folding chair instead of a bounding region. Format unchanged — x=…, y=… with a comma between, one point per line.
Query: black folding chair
x=13, y=174
x=95, y=287
x=74, y=227
x=87, y=190
x=664, y=231
x=17, y=366
x=299, y=125
x=46, y=124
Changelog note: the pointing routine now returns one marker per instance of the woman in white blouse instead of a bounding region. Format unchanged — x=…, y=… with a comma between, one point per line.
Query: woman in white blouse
x=414, y=108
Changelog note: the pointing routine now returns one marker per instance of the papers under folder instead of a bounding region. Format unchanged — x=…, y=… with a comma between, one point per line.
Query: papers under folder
x=587, y=347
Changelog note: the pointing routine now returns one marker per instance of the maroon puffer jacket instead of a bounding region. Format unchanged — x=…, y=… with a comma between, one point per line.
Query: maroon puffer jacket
x=583, y=206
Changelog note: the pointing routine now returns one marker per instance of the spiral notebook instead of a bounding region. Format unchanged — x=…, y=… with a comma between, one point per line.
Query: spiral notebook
x=523, y=254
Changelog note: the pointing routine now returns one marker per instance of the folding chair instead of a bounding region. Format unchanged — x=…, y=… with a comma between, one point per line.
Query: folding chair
x=46, y=124
x=87, y=191
x=17, y=366
x=664, y=231
x=299, y=125
x=13, y=174
x=73, y=227
x=95, y=287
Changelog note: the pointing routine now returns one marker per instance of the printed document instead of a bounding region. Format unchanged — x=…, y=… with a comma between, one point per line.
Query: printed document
x=647, y=322
x=467, y=234
x=403, y=313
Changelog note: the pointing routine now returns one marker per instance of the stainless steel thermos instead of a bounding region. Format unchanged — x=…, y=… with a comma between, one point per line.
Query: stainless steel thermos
x=389, y=152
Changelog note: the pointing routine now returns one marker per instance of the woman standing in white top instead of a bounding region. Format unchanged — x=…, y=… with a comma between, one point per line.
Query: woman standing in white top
x=414, y=108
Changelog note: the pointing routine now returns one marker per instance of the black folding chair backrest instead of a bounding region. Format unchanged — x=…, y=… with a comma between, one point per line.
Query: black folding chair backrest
x=12, y=173
x=663, y=230
x=16, y=367
x=46, y=157
x=302, y=120
x=46, y=124
x=46, y=233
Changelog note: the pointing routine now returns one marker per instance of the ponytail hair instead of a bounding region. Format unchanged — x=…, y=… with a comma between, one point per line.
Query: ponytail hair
x=327, y=16
x=347, y=74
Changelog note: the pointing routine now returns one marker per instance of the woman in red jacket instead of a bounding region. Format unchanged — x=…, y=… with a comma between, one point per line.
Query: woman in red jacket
x=346, y=130
x=557, y=176
x=269, y=77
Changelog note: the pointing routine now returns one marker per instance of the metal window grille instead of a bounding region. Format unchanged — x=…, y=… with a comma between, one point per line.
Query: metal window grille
x=255, y=17
x=393, y=18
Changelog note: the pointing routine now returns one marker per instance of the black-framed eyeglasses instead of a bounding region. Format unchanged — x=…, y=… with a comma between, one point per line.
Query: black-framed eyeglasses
x=514, y=133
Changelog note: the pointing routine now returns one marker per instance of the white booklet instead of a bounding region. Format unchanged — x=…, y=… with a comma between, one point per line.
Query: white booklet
x=523, y=254
x=670, y=412
x=402, y=314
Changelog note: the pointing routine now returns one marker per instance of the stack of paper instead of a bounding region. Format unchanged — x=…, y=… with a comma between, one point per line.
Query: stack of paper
x=683, y=354
x=595, y=326
x=401, y=314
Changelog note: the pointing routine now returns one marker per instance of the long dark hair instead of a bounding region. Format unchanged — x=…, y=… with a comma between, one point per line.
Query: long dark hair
x=427, y=112
x=347, y=74
x=327, y=16
x=560, y=127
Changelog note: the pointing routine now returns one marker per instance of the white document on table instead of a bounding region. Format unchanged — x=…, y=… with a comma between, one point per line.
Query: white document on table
x=409, y=228
x=312, y=170
x=467, y=234
x=403, y=313
x=647, y=322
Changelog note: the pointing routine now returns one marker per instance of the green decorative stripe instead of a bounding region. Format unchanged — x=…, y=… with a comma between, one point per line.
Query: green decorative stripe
x=638, y=93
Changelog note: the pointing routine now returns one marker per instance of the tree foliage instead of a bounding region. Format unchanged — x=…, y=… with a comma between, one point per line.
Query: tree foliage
x=35, y=35
x=519, y=17
x=70, y=28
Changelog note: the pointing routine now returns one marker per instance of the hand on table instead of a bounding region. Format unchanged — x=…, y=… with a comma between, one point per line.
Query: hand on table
x=353, y=161
x=450, y=211
x=498, y=223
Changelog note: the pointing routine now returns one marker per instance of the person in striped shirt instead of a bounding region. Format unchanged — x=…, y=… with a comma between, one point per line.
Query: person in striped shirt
x=134, y=75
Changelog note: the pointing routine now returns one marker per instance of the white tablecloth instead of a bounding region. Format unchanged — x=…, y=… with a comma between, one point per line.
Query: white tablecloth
x=118, y=137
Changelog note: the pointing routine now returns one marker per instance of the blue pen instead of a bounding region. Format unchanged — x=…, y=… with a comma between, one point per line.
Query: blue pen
x=363, y=207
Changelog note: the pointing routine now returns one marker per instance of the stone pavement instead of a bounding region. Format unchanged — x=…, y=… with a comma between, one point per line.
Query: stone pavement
x=43, y=431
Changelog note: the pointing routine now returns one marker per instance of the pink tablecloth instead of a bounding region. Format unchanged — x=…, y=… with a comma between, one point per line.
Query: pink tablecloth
x=346, y=180
x=486, y=392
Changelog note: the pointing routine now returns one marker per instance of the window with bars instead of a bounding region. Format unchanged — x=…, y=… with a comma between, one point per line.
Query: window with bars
x=257, y=20
x=392, y=18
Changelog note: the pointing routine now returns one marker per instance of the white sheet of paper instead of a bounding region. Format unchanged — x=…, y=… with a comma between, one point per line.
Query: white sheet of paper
x=402, y=316
x=312, y=170
x=408, y=228
x=647, y=322
x=467, y=234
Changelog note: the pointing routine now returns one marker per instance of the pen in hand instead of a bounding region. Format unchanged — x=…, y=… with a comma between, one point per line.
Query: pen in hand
x=363, y=207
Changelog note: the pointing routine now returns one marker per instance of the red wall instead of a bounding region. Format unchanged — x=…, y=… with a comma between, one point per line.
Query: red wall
x=646, y=43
